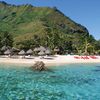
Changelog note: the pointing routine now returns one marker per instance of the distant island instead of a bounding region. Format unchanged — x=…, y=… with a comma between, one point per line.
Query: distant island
x=26, y=27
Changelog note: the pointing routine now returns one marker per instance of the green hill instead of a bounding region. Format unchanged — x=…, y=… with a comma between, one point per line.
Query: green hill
x=28, y=19
x=47, y=26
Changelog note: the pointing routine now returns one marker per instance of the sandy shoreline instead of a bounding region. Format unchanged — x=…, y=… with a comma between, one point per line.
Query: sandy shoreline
x=49, y=61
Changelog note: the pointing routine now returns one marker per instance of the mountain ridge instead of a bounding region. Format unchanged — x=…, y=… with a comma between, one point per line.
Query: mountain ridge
x=24, y=12
x=26, y=22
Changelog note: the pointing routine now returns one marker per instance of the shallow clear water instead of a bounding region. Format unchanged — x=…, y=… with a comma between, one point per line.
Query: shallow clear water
x=68, y=82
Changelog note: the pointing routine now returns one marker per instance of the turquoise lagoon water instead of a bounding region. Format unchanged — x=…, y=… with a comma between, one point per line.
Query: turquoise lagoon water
x=68, y=82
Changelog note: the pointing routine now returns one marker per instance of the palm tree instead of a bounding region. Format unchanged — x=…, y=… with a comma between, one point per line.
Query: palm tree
x=86, y=46
x=89, y=48
x=6, y=39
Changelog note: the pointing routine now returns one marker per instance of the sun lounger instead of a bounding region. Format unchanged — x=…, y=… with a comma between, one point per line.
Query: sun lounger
x=81, y=57
x=29, y=57
x=84, y=57
x=76, y=57
x=93, y=57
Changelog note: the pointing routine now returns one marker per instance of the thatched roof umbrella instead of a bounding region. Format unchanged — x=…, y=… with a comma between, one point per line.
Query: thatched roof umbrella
x=36, y=49
x=15, y=49
x=48, y=52
x=4, y=48
x=41, y=53
x=8, y=52
x=29, y=52
x=42, y=48
x=22, y=52
x=56, y=50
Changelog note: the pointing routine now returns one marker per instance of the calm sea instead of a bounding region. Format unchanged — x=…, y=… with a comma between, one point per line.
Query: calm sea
x=68, y=82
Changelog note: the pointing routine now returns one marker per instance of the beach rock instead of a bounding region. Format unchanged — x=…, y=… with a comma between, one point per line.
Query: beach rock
x=39, y=66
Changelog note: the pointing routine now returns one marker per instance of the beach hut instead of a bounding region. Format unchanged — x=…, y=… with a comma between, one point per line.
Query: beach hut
x=41, y=53
x=29, y=52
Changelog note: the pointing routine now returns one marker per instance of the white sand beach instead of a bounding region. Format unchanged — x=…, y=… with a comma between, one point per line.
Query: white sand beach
x=52, y=60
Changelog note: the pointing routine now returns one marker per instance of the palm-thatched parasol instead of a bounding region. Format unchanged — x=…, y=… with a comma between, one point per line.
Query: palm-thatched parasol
x=4, y=48
x=29, y=52
x=42, y=48
x=41, y=53
x=8, y=52
x=22, y=52
x=36, y=49
x=56, y=50
x=15, y=49
x=48, y=51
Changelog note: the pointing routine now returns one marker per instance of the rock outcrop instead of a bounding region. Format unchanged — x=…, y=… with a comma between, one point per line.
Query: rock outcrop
x=39, y=66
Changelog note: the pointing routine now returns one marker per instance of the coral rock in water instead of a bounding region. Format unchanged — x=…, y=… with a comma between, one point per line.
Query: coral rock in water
x=39, y=66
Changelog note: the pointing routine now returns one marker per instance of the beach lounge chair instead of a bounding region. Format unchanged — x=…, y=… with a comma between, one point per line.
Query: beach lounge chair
x=93, y=57
x=85, y=57
x=76, y=57
x=82, y=57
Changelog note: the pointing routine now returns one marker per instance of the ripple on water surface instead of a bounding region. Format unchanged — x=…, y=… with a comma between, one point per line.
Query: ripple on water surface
x=68, y=82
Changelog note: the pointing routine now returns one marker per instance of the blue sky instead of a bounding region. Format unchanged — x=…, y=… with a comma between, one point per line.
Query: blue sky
x=85, y=12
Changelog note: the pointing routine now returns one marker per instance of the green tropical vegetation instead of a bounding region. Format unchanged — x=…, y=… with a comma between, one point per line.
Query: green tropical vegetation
x=26, y=26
